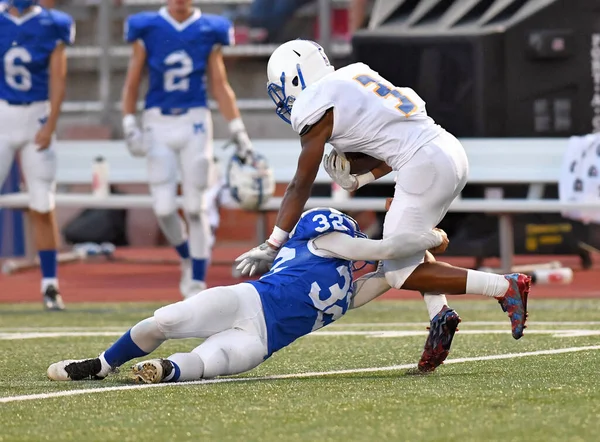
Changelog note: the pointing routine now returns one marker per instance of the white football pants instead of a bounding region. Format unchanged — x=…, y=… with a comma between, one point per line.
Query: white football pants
x=18, y=127
x=425, y=187
x=232, y=320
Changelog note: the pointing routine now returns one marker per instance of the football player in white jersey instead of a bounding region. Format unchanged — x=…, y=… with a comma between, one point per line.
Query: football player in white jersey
x=356, y=110
x=32, y=87
x=181, y=48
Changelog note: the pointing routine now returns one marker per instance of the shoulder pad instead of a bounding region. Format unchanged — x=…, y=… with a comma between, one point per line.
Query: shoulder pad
x=310, y=106
x=64, y=25
x=135, y=25
x=222, y=29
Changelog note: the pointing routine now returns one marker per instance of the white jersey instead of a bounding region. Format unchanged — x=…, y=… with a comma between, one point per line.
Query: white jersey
x=371, y=115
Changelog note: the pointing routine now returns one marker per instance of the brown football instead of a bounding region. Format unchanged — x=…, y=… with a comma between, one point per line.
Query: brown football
x=361, y=163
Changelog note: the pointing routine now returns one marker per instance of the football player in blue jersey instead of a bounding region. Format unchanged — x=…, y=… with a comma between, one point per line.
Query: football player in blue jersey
x=181, y=48
x=309, y=286
x=32, y=87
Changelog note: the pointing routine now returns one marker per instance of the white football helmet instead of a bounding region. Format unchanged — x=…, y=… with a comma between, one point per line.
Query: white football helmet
x=292, y=67
x=251, y=182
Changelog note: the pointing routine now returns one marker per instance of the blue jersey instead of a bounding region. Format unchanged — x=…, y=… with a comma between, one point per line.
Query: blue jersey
x=304, y=292
x=26, y=44
x=177, y=55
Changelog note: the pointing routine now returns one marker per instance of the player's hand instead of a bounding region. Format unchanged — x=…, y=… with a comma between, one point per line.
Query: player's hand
x=243, y=145
x=43, y=138
x=338, y=169
x=257, y=260
x=133, y=137
x=443, y=246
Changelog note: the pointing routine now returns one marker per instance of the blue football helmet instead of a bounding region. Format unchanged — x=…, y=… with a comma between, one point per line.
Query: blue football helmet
x=22, y=5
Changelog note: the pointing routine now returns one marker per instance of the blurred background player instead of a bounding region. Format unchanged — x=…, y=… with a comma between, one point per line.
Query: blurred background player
x=181, y=47
x=32, y=89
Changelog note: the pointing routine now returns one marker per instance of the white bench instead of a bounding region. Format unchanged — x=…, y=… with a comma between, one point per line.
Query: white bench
x=492, y=161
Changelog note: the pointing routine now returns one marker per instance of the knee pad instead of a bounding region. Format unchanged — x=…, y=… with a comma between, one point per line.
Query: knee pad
x=41, y=196
x=164, y=199
x=216, y=361
x=195, y=206
x=168, y=318
x=396, y=273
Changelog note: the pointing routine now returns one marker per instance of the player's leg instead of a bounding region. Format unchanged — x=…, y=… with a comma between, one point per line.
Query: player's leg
x=227, y=353
x=216, y=310
x=237, y=339
x=196, y=164
x=425, y=188
x=162, y=177
x=39, y=170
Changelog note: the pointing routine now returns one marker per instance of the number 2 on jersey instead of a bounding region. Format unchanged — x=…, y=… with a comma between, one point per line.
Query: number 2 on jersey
x=16, y=75
x=176, y=78
x=405, y=106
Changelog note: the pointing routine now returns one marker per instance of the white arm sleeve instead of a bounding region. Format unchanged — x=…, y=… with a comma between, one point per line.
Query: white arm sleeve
x=369, y=287
x=340, y=245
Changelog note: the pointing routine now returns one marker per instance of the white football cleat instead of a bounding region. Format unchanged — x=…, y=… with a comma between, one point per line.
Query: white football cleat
x=76, y=370
x=152, y=371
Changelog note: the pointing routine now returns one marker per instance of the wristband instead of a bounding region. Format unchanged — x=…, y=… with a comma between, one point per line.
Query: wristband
x=278, y=237
x=365, y=178
x=129, y=120
x=236, y=125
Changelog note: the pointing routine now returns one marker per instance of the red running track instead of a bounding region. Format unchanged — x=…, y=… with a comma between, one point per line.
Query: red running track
x=125, y=281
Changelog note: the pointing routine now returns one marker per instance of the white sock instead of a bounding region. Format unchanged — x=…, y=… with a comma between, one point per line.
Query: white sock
x=434, y=303
x=191, y=367
x=106, y=368
x=46, y=282
x=487, y=284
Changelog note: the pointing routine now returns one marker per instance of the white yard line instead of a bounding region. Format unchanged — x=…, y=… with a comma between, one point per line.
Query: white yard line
x=30, y=397
x=334, y=325
x=558, y=333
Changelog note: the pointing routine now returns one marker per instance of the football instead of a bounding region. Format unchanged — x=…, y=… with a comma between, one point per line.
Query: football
x=361, y=163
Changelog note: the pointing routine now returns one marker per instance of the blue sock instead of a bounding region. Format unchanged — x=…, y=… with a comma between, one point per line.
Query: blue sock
x=198, y=269
x=183, y=250
x=176, y=372
x=48, y=263
x=123, y=350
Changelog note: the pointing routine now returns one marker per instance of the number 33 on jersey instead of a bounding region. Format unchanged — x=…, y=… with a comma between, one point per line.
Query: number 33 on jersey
x=177, y=54
x=26, y=44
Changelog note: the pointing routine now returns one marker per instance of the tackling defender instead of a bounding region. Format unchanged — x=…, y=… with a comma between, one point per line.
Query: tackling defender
x=356, y=110
x=309, y=286
x=181, y=47
x=32, y=88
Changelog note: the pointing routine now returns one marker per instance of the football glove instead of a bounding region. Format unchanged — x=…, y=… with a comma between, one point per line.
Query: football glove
x=338, y=169
x=133, y=137
x=257, y=260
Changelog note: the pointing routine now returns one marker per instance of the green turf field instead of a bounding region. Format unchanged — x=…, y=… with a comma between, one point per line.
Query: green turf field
x=544, y=387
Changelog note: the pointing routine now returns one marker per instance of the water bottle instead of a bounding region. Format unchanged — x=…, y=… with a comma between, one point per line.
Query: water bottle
x=563, y=275
x=100, y=186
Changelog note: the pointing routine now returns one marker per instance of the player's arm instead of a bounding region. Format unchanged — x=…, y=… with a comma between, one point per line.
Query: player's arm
x=129, y=98
x=57, y=88
x=221, y=91
x=135, y=70
x=298, y=191
x=340, y=245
